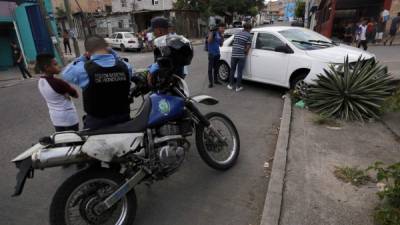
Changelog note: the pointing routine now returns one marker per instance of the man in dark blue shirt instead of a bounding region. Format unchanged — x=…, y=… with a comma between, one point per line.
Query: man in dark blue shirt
x=215, y=40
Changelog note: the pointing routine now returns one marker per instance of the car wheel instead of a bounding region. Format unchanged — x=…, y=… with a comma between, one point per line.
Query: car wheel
x=223, y=71
x=122, y=47
x=298, y=85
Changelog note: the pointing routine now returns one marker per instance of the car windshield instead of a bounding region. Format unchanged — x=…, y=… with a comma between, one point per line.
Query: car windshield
x=128, y=35
x=307, y=39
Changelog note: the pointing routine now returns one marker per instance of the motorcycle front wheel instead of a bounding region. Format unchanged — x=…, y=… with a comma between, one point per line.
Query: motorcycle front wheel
x=75, y=200
x=217, y=154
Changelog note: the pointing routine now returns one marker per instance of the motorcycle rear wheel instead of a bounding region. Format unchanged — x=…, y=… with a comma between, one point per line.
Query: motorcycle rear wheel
x=210, y=148
x=74, y=201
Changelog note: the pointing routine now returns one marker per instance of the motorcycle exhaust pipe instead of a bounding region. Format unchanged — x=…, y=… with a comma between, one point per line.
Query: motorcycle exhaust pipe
x=61, y=156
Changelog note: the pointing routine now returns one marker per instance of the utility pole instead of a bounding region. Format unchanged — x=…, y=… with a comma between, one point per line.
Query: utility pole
x=306, y=13
x=71, y=26
x=46, y=18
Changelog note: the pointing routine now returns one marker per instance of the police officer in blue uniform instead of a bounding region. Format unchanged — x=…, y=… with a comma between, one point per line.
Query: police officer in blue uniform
x=160, y=27
x=105, y=81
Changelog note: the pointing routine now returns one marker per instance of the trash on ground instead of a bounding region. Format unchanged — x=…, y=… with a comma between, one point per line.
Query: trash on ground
x=300, y=104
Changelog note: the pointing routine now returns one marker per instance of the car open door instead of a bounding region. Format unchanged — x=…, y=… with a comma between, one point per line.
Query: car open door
x=118, y=40
x=268, y=65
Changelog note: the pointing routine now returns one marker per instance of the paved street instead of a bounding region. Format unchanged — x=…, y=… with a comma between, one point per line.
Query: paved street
x=195, y=195
x=390, y=56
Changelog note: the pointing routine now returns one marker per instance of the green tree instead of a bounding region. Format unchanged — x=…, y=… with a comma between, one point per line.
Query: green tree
x=221, y=7
x=300, y=9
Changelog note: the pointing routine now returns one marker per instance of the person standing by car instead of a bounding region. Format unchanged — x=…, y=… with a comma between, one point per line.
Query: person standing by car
x=105, y=81
x=363, y=36
x=19, y=59
x=215, y=40
x=240, y=49
x=394, y=27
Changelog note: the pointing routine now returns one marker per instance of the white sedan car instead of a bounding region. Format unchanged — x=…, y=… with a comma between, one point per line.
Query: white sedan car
x=290, y=57
x=124, y=41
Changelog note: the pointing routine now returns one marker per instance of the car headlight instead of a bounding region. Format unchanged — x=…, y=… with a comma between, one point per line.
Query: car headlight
x=338, y=66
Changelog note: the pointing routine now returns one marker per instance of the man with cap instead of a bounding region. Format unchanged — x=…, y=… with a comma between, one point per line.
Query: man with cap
x=105, y=81
x=160, y=26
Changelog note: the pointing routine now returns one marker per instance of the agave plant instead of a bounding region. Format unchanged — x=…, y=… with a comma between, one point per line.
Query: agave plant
x=351, y=91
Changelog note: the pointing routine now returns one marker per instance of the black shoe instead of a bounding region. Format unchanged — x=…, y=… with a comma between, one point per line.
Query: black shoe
x=217, y=82
x=210, y=86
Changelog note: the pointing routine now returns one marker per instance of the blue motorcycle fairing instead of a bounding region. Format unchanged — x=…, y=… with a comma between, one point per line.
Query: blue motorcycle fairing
x=165, y=108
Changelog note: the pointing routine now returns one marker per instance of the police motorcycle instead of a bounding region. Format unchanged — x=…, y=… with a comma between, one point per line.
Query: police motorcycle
x=150, y=147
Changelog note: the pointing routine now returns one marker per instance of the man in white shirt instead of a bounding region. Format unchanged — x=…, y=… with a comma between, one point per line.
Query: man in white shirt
x=363, y=35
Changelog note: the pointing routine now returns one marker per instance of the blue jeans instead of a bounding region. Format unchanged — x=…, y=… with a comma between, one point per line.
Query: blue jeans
x=239, y=63
x=213, y=67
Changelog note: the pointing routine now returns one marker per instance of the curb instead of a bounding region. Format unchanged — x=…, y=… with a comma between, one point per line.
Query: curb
x=273, y=201
x=391, y=129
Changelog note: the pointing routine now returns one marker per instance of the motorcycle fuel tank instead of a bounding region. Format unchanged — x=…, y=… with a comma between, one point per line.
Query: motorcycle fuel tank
x=165, y=108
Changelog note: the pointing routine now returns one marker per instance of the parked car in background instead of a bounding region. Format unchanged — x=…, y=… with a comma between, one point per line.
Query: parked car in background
x=297, y=23
x=290, y=57
x=281, y=19
x=237, y=24
x=267, y=21
x=230, y=32
x=124, y=41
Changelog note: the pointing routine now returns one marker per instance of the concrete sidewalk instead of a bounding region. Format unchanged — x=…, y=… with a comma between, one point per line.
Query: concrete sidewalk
x=312, y=194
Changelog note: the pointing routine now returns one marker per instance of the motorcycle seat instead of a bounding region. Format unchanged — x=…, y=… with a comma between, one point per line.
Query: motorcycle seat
x=137, y=124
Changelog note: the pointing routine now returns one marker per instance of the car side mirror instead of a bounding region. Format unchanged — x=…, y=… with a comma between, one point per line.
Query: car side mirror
x=284, y=49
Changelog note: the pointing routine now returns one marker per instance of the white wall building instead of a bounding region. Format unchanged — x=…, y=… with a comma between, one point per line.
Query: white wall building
x=139, y=5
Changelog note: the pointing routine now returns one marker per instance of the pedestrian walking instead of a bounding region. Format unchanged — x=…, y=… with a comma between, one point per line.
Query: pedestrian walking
x=371, y=31
x=66, y=42
x=363, y=36
x=19, y=60
x=380, y=29
x=215, y=40
x=394, y=27
x=348, y=34
x=240, y=49
x=149, y=39
x=57, y=94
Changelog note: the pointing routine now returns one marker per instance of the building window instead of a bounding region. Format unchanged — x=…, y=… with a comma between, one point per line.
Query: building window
x=123, y=3
x=154, y=2
x=120, y=24
x=108, y=8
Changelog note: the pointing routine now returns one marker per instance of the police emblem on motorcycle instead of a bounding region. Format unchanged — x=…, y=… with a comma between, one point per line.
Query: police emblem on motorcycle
x=164, y=107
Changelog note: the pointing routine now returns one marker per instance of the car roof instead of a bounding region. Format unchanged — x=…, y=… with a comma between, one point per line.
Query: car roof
x=274, y=28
